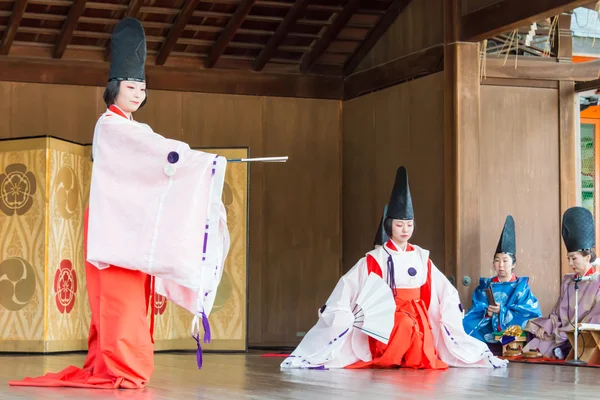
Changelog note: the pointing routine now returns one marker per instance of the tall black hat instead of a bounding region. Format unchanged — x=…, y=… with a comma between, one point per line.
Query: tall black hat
x=578, y=230
x=508, y=239
x=381, y=237
x=400, y=205
x=128, y=51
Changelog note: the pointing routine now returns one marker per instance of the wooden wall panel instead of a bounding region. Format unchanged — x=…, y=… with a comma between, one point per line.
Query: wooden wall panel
x=208, y=121
x=295, y=217
x=5, y=108
x=28, y=110
x=418, y=27
x=302, y=219
x=362, y=202
x=406, y=129
x=164, y=113
x=68, y=112
x=520, y=175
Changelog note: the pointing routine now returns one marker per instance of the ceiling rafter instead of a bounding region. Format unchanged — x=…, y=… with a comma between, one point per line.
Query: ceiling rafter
x=330, y=34
x=375, y=34
x=282, y=31
x=68, y=27
x=13, y=24
x=176, y=30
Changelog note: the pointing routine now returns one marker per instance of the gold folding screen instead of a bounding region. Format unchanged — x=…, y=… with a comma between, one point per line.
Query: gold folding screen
x=44, y=189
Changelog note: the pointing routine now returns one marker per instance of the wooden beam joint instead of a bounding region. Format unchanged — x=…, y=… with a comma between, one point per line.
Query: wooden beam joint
x=587, y=85
x=229, y=32
x=412, y=66
x=508, y=15
x=68, y=28
x=290, y=19
x=563, y=39
x=176, y=30
x=384, y=23
x=132, y=12
x=13, y=25
x=329, y=36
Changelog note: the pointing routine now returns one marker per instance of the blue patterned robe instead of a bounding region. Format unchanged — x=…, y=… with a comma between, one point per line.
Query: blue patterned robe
x=517, y=306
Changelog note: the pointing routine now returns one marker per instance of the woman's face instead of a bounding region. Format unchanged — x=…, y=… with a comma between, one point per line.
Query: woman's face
x=578, y=262
x=402, y=230
x=503, y=265
x=131, y=95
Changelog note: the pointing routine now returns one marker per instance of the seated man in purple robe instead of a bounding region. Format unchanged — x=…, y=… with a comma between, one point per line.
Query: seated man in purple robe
x=550, y=334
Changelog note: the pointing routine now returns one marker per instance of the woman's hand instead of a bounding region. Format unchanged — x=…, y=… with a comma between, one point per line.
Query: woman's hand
x=493, y=310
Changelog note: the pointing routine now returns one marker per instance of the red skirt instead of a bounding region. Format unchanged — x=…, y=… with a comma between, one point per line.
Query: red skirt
x=120, y=348
x=411, y=342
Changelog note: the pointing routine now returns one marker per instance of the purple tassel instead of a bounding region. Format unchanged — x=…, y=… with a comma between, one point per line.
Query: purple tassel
x=207, y=339
x=391, y=277
x=206, y=327
x=198, y=351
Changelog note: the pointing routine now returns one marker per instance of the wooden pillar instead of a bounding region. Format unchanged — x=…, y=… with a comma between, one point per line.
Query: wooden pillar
x=562, y=45
x=568, y=158
x=462, y=126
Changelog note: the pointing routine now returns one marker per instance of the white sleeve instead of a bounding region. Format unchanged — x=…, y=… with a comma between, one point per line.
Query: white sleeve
x=453, y=345
x=332, y=342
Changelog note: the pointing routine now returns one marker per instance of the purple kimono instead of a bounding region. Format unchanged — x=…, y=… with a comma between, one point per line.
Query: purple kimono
x=562, y=317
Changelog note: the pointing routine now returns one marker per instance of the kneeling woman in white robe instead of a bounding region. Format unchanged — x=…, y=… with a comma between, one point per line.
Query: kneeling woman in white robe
x=428, y=331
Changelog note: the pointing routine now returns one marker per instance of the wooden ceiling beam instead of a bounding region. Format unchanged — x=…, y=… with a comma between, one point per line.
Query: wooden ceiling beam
x=588, y=85
x=544, y=69
x=176, y=30
x=282, y=30
x=394, y=72
x=68, y=27
x=508, y=15
x=14, y=69
x=330, y=34
x=229, y=32
x=133, y=9
x=13, y=24
x=316, y=7
x=375, y=34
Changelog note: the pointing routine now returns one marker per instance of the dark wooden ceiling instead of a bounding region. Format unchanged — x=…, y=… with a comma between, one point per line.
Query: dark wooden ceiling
x=304, y=36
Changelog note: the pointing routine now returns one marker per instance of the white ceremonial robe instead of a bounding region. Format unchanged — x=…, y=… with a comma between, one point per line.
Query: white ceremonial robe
x=334, y=343
x=160, y=217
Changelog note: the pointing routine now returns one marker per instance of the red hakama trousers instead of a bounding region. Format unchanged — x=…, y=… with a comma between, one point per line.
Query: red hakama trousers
x=411, y=342
x=120, y=346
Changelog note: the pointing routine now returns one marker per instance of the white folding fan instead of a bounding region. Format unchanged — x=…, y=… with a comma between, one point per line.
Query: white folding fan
x=375, y=309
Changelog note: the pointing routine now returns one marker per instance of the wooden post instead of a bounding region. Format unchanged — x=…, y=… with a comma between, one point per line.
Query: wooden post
x=462, y=125
x=562, y=45
x=568, y=157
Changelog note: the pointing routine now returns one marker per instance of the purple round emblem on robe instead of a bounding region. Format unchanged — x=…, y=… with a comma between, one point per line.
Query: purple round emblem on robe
x=412, y=271
x=173, y=157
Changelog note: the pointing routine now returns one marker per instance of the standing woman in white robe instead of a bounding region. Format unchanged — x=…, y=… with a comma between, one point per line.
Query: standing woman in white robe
x=428, y=331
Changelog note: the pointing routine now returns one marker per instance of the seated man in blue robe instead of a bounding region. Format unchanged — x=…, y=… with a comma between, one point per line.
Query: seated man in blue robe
x=515, y=303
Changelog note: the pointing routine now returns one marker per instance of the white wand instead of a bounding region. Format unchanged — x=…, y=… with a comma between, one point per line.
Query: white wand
x=260, y=159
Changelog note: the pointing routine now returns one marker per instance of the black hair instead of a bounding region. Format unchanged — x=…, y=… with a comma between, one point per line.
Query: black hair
x=590, y=253
x=387, y=226
x=112, y=90
x=512, y=257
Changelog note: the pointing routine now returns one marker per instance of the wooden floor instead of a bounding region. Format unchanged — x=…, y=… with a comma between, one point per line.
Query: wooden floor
x=249, y=376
